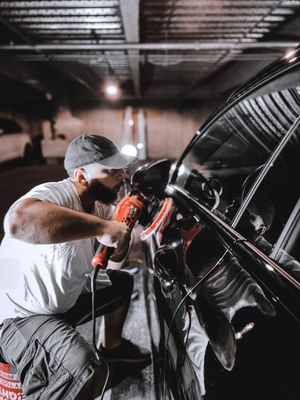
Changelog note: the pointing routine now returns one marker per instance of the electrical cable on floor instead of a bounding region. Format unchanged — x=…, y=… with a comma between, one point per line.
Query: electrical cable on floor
x=100, y=358
x=204, y=277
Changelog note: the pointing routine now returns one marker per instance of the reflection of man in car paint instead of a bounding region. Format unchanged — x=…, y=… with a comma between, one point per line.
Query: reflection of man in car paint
x=228, y=289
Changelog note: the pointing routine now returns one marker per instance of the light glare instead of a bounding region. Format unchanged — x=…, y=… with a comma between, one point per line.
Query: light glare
x=269, y=267
x=181, y=170
x=111, y=89
x=129, y=150
x=290, y=54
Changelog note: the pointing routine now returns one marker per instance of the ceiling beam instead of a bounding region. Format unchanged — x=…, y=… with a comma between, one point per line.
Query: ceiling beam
x=58, y=4
x=16, y=76
x=196, y=46
x=81, y=81
x=11, y=74
x=29, y=45
x=130, y=11
x=16, y=31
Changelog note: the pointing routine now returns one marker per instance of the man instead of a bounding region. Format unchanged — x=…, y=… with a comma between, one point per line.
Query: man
x=46, y=253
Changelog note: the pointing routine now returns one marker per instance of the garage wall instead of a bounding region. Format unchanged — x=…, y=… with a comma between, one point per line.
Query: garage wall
x=168, y=131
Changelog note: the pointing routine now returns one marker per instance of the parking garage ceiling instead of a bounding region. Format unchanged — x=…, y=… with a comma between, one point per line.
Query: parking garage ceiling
x=155, y=50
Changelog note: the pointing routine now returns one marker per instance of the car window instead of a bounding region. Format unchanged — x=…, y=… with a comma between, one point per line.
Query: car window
x=8, y=125
x=270, y=211
x=287, y=249
x=225, y=160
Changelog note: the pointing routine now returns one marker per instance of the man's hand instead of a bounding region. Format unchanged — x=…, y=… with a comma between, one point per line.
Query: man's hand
x=116, y=234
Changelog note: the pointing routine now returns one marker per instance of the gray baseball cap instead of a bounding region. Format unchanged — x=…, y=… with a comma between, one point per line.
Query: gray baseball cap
x=87, y=149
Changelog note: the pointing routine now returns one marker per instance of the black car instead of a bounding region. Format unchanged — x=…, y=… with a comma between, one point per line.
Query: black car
x=222, y=246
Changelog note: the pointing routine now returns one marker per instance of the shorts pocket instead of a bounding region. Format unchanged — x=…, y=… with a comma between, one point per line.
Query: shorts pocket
x=42, y=375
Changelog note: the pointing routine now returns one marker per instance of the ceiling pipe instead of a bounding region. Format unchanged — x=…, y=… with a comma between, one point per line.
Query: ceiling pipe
x=16, y=31
x=82, y=82
x=31, y=46
x=150, y=46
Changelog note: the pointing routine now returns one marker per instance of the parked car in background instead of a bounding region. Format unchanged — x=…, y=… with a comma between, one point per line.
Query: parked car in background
x=222, y=246
x=14, y=143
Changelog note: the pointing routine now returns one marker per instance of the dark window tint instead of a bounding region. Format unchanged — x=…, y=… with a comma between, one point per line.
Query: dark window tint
x=287, y=249
x=9, y=126
x=224, y=162
x=271, y=215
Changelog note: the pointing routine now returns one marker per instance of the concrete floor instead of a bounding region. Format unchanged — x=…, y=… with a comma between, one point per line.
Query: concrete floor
x=127, y=383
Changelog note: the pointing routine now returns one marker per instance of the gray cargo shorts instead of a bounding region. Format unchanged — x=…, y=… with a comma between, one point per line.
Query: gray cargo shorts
x=52, y=360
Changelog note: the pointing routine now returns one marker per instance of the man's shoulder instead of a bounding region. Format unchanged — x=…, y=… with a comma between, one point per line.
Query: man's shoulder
x=52, y=183
x=58, y=191
x=59, y=184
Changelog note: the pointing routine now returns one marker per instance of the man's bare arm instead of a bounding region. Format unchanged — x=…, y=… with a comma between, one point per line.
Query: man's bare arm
x=41, y=222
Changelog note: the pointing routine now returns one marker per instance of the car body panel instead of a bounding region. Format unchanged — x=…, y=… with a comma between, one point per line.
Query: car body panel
x=224, y=264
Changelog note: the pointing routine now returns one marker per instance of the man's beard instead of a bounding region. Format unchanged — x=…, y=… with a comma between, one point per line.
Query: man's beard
x=102, y=193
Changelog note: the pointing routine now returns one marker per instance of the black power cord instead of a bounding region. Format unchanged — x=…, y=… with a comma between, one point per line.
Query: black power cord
x=99, y=356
